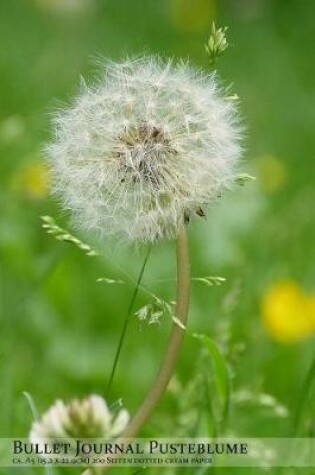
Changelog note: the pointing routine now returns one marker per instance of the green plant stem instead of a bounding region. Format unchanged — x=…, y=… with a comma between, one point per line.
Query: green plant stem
x=177, y=333
x=126, y=324
x=168, y=363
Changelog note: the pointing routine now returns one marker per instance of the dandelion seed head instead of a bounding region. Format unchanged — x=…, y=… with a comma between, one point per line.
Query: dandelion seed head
x=145, y=147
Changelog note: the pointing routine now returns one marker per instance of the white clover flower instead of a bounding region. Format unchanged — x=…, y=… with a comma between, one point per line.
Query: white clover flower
x=87, y=418
x=143, y=150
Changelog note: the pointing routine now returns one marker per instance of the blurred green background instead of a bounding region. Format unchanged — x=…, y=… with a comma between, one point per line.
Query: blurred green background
x=59, y=327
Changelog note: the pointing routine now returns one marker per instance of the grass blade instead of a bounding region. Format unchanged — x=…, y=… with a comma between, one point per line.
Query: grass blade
x=221, y=374
x=35, y=414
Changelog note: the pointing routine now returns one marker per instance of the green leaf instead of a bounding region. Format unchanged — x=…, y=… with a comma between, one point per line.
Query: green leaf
x=221, y=374
x=32, y=405
x=304, y=398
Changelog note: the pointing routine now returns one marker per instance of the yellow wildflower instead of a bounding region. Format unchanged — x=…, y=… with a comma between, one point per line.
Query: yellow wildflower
x=288, y=312
x=32, y=180
x=271, y=173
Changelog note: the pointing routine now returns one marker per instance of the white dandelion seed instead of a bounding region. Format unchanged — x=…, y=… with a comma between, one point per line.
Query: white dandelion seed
x=87, y=418
x=146, y=148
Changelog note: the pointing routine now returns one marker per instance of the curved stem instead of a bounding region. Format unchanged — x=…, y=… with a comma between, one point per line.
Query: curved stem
x=168, y=364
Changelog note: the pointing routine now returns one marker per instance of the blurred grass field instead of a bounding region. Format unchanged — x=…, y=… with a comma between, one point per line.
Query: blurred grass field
x=59, y=327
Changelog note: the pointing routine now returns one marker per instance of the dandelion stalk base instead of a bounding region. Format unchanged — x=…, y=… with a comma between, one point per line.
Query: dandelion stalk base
x=167, y=366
